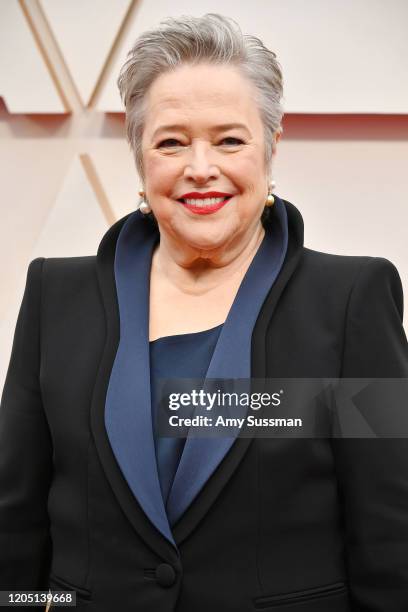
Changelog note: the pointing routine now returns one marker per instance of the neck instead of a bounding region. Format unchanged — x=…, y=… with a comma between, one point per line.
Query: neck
x=195, y=271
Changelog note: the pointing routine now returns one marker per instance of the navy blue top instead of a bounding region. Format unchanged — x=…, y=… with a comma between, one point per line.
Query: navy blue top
x=178, y=356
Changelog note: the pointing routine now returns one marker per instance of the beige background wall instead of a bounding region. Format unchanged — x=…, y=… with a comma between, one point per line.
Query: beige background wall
x=67, y=173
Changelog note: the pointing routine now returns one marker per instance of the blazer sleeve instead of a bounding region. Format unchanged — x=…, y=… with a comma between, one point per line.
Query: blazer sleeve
x=25, y=453
x=373, y=472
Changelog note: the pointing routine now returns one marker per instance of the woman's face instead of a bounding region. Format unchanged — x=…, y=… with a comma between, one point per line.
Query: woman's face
x=203, y=133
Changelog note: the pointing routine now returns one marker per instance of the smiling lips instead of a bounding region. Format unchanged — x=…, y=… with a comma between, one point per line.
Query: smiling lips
x=204, y=203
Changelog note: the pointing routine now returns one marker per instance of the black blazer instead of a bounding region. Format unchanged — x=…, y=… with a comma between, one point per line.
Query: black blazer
x=301, y=524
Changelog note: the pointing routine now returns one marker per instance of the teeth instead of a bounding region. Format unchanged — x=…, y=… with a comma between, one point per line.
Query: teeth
x=200, y=203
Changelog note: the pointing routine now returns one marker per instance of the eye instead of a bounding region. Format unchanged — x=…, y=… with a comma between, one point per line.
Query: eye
x=235, y=140
x=168, y=140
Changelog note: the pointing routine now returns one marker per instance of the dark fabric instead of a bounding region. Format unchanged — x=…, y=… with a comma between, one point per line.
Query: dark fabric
x=177, y=356
x=292, y=524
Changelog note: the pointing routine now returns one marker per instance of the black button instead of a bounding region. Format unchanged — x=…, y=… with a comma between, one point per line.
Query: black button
x=165, y=575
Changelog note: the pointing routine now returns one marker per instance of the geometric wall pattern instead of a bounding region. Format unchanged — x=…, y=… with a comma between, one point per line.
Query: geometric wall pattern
x=342, y=56
x=70, y=23
x=338, y=56
x=67, y=173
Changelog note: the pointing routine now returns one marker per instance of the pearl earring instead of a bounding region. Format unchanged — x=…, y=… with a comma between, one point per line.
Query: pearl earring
x=143, y=205
x=270, y=200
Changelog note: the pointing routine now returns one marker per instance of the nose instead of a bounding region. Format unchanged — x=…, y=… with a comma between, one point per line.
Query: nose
x=200, y=165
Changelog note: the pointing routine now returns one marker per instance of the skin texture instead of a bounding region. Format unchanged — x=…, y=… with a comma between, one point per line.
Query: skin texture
x=201, y=259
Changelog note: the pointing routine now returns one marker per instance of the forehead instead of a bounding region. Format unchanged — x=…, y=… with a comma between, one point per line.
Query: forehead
x=201, y=94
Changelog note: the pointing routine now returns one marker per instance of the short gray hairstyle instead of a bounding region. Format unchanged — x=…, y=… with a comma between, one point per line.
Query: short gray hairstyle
x=212, y=38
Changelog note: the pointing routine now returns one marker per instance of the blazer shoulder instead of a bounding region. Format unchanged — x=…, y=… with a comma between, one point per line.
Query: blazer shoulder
x=328, y=272
x=64, y=263
x=71, y=266
x=62, y=276
x=326, y=266
x=334, y=261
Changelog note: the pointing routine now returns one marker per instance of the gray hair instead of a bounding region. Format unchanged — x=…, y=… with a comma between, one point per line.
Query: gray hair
x=212, y=38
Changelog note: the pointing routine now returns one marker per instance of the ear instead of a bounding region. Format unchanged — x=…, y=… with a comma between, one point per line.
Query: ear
x=276, y=139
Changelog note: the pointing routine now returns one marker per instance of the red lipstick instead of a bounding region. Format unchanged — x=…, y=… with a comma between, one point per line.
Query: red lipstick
x=207, y=208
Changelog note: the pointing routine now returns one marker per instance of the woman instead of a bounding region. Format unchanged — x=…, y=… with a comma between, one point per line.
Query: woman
x=209, y=277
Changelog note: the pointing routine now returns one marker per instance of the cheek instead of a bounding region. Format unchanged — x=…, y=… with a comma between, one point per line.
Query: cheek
x=249, y=170
x=159, y=174
x=250, y=180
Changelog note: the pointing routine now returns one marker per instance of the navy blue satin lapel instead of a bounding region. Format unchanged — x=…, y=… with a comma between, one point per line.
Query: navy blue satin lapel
x=128, y=403
x=231, y=359
x=128, y=418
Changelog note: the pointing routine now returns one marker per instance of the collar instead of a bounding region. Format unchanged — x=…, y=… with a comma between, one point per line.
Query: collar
x=116, y=423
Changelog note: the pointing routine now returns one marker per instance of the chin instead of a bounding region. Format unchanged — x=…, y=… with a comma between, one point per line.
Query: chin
x=205, y=241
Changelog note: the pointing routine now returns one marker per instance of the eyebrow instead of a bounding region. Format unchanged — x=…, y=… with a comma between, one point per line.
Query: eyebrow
x=217, y=128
